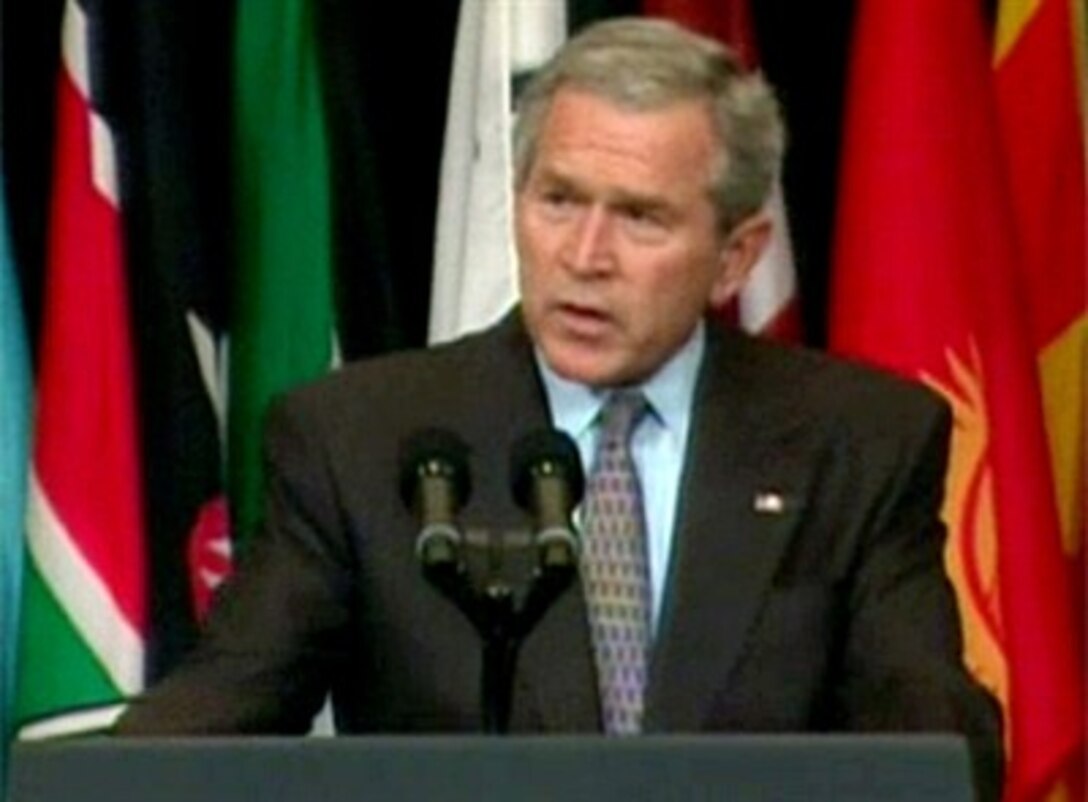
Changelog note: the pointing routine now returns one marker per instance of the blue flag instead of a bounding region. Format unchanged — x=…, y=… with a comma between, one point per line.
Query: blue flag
x=14, y=425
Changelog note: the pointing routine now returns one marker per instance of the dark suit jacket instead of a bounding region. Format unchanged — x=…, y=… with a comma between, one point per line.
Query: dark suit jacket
x=831, y=614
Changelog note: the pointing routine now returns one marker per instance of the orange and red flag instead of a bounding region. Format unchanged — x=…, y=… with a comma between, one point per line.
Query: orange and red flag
x=933, y=277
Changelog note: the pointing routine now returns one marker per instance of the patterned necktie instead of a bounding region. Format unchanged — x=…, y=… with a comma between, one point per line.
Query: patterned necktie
x=615, y=569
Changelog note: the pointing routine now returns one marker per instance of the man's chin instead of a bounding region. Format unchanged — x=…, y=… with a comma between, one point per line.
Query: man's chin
x=583, y=364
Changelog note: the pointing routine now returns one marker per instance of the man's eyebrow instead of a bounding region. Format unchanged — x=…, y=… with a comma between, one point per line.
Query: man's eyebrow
x=642, y=200
x=554, y=176
x=613, y=197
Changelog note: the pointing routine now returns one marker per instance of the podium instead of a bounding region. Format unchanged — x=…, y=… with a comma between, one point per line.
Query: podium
x=845, y=768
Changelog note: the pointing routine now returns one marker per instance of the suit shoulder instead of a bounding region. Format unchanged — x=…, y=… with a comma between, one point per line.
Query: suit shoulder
x=413, y=375
x=837, y=388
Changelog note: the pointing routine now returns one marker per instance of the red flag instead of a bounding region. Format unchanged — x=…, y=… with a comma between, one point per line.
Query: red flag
x=84, y=612
x=1036, y=68
x=768, y=303
x=926, y=282
x=729, y=21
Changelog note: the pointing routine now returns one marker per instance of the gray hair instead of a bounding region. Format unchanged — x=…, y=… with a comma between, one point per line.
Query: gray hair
x=648, y=64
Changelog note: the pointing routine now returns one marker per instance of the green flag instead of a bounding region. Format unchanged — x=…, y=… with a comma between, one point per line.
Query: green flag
x=282, y=330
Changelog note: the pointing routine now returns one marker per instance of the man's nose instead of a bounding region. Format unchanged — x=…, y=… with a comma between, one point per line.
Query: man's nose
x=589, y=249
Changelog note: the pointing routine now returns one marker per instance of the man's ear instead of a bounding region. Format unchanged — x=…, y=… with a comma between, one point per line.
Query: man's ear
x=739, y=253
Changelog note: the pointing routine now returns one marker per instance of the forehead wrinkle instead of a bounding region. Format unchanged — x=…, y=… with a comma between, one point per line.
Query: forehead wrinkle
x=611, y=193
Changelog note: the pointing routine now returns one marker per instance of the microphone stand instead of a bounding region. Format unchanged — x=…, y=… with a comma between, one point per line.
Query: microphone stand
x=502, y=640
x=502, y=624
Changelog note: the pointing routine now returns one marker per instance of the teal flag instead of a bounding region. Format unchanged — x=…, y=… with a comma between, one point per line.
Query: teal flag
x=14, y=424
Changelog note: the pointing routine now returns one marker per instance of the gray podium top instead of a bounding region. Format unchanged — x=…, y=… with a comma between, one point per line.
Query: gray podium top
x=886, y=768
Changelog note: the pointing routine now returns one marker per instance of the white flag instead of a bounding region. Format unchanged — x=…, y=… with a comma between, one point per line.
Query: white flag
x=475, y=264
x=768, y=301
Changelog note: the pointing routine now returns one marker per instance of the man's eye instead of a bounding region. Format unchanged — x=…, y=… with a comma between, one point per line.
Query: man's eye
x=556, y=197
x=642, y=217
x=640, y=213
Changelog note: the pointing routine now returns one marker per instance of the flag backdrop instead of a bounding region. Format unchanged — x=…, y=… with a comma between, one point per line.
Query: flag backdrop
x=14, y=425
x=82, y=634
x=927, y=282
x=282, y=321
x=475, y=273
x=768, y=302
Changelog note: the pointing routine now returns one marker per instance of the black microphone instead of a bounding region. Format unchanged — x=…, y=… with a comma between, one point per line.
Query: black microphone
x=547, y=481
x=435, y=484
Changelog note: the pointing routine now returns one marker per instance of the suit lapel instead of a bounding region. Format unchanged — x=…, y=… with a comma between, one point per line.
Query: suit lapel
x=740, y=500
x=558, y=671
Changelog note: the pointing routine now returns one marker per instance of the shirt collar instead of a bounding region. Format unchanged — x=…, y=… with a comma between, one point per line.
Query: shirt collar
x=574, y=406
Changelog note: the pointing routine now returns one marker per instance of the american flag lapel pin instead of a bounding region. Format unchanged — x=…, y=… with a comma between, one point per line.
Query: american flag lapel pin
x=769, y=502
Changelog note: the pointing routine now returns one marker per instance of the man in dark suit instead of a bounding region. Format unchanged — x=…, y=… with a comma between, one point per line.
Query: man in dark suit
x=790, y=541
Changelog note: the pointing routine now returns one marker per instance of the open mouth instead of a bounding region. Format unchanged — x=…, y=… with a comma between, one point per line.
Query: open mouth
x=583, y=320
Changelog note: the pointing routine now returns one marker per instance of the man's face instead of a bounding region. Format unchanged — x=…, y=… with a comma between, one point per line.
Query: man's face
x=620, y=253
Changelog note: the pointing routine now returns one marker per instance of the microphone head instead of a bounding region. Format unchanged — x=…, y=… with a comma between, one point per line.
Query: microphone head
x=540, y=453
x=433, y=452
